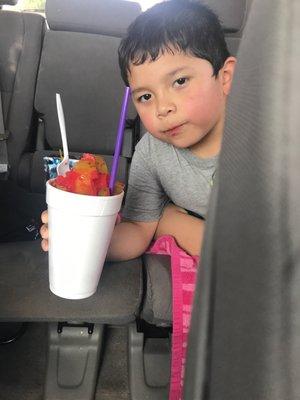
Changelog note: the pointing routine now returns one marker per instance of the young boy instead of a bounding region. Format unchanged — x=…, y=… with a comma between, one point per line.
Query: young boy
x=176, y=62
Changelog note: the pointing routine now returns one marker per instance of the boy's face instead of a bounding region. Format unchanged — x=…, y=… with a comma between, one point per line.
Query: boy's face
x=180, y=101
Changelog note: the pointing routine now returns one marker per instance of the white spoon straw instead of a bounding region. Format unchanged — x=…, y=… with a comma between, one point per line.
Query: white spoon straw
x=63, y=166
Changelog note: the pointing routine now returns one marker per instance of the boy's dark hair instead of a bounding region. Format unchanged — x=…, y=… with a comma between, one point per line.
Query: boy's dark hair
x=186, y=26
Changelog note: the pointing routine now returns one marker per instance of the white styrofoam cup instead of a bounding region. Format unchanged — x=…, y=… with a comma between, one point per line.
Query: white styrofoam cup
x=80, y=230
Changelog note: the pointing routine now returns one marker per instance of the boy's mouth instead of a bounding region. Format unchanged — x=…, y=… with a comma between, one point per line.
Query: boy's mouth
x=174, y=130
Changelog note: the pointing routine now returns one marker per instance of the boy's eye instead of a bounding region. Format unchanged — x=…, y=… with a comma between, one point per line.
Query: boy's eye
x=180, y=81
x=144, y=98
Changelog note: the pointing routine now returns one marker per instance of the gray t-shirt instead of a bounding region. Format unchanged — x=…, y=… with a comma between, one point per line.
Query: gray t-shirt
x=161, y=173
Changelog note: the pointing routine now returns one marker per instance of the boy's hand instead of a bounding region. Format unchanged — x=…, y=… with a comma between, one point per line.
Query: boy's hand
x=44, y=231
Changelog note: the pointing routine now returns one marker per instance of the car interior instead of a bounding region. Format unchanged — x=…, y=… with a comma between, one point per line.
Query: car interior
x=116, y=344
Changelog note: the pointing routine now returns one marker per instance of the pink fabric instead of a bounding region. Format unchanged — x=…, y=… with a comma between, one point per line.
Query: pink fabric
x=184, y=270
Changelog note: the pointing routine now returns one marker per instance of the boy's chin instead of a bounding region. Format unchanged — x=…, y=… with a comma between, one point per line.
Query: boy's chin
x=181, y=143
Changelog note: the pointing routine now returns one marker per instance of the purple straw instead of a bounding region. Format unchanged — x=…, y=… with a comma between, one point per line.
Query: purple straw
x=119, y=140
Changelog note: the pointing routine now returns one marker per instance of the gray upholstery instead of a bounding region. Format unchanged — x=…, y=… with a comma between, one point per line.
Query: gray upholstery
x=84, y=69
x=20, y=46
x=157, y=307
x=245, y=336
x=25, y=294
x=91, y=16
x=232, y=13
x=233, y=16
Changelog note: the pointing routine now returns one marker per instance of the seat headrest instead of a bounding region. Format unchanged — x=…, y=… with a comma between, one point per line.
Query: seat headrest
x=107, y=17
x=8, y=2
x=232, y=13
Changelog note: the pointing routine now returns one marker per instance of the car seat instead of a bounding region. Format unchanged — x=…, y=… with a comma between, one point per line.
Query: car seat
x=244, y=338
x=21, y=35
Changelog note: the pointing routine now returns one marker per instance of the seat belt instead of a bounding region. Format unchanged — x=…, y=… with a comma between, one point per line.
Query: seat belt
x=3, y=145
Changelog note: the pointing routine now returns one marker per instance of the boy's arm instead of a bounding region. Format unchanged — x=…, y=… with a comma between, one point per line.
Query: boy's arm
x=187, y=230
x=130, y=239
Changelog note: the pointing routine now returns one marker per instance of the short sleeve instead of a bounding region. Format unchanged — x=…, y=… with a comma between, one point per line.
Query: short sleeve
x=145, y=197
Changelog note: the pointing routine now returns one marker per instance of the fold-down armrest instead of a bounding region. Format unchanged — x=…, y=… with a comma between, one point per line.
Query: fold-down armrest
x=25, y=294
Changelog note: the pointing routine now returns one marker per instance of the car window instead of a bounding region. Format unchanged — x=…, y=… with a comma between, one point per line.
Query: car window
x=39, y=5
x=28, y=5
x=146, y=3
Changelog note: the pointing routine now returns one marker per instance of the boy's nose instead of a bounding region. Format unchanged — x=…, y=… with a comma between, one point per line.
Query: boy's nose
x=164, y=108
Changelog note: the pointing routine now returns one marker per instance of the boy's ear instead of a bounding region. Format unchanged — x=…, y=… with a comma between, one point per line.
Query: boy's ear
x=226, y=74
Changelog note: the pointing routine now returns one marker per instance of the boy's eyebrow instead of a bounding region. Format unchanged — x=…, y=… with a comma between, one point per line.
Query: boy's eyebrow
x=176, y=70
x=169, y=74
x=139, y=89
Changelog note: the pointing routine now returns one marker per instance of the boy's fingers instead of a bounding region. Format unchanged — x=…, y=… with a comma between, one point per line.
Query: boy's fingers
x=44, y=217
x=45, y=245
x=119, y=219
x=44, y=231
